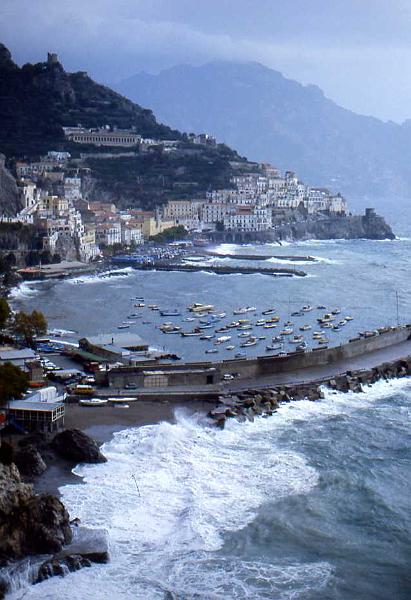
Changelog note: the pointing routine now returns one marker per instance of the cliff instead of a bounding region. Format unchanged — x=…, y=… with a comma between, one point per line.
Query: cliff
x=36, y=101
x=10, y=199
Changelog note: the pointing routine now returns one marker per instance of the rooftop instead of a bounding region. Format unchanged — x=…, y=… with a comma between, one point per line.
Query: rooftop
x=122, y=340
x=37, y=406
x=24, y=354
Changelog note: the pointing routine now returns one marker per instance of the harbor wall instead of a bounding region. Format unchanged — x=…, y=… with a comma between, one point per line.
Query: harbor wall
x=209, y=373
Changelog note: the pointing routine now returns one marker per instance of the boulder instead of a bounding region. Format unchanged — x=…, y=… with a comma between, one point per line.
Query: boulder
x=29, y=523
x=75, y=445
x=60, y=567
x=30, y=462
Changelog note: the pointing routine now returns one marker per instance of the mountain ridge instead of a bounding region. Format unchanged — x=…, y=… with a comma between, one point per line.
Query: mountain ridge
x=272, y=118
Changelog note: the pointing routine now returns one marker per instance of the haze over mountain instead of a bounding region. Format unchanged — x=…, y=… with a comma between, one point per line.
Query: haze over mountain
x=270, y=118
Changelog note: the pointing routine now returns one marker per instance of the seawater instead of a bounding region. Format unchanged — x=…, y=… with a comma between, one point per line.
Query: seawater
x=312, y=503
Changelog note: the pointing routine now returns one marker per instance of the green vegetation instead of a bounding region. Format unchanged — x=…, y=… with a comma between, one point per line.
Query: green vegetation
x=4, y=312
x=13, y=383
x=29, y=325
x=170, y=235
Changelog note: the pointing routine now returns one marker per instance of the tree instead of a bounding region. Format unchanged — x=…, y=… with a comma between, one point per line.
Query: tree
x=13, y=382
x=4, y=312
x=30, y=325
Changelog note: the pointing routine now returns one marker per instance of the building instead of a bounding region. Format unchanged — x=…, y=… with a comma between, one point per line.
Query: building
x=113, y=346
x=183, y=212
x=249, y=218
x=28, y=415
x=108, y=234
x=102, y=137
x=18, y=358
x=131, y=234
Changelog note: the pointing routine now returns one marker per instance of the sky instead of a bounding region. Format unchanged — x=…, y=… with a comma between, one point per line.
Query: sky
x=357, y=51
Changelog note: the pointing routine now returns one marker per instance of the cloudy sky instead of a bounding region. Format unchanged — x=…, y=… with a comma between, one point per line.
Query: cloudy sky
x=357, y=51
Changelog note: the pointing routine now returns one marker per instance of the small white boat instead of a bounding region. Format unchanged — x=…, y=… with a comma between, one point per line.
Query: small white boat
x=305, y=328
x=93, y=402
x=229, y=347
x=197, y=307
x=211, y=351
x=123, y=326
x=244, y=334
x=307, y=308
x=222, y=339
x=248, y=343
x=348, y=318
x=287, y=331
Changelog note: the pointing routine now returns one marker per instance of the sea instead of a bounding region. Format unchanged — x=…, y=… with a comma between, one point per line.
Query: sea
x=313, y=503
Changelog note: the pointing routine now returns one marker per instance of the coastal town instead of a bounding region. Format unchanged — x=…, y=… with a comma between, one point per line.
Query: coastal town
x=55, y=201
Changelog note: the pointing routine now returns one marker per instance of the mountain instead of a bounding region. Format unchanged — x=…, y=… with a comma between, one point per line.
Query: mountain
x=36, y=101
x=270, y=118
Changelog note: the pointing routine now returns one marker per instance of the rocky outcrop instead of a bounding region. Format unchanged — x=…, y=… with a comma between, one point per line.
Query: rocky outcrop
x=10, y=199
x=29, y=461
x=29, y=523
x=75, y=445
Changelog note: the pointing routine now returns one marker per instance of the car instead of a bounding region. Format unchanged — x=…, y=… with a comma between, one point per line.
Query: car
x=228, y=377
x=130, y=386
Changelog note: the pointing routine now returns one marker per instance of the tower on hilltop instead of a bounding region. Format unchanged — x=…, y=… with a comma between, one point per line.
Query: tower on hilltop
x=52, y=58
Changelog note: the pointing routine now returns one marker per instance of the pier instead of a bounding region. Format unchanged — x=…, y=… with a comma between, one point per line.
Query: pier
x=218, y=269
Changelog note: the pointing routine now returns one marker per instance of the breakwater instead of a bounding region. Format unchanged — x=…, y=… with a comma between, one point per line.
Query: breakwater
x=257, y=257
x=219, y=269
x=250, y=403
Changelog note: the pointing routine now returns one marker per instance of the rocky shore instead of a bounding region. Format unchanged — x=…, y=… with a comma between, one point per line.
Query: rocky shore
x=38, y=525
x=248, y=404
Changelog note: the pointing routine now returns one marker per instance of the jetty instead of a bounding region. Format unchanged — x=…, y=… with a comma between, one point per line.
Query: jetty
x=257, y=257
x=218, y=269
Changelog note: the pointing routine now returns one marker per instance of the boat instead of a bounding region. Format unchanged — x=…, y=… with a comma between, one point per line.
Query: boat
x=287, y=331
x=189, y=319
x=262, y=337
x=191, y=333
x=305, y=328
x=277, y=339
x=307, y=308
x=268, y=311
x=342, y=323
x=240, y=355
x=336, y=328
x=297, y=313
x=275, y=319
x=348, y=318
x=222, y=329
x=288, y=324
x=301, y=347
x=93, y=402
x=170, y=329
x=321, y=307
x=197, y=307
x=273, y=347
x=123, y=326
x=251, y=342
x=270, y=325
x=336, y=311
x=243, y=310
x=244, y=334
x=121, y=400
x=153, y=307
x=211, y=351
x=297, y=339
x=229, y=347
x=205, y=326
x=134, y=316
x=207, y=337
x=245, y=327
x=260, y=323
x=139, y=305
x=244, y=321
x=326, y=325
x=170, y=313
x=222, y=339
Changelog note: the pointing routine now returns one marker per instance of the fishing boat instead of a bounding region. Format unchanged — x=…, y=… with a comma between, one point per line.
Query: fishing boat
x=288, y=324
x=207, y=337
x=222, y=339
x=336, y=311
x=275, y=319
x=243, y=310
x=307, y=308
x=270, y=325
x=93, y=402
x=287, y=331
x=268, y=311
x=170, y=313
x=205, y=326
x=297, y=339
x=260, y=323
x=326, y=325
x=251, y=342
x=197, y=307
x=191, y=333
x=245, y=327
x=244, y=334
x=277, y=339
x=123, y=326
x=244, y=321
x=229, y=347
x=305, y=328
x=170, y=329
x=348, y=318
x=211, y=351
x=273, y=347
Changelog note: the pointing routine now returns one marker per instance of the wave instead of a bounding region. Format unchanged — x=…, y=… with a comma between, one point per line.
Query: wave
x=24, y=290
x=97, y=278
x=170, y=492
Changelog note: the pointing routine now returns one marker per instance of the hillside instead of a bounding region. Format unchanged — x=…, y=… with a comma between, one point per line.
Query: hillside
x=36, y=101
x=270, y=118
